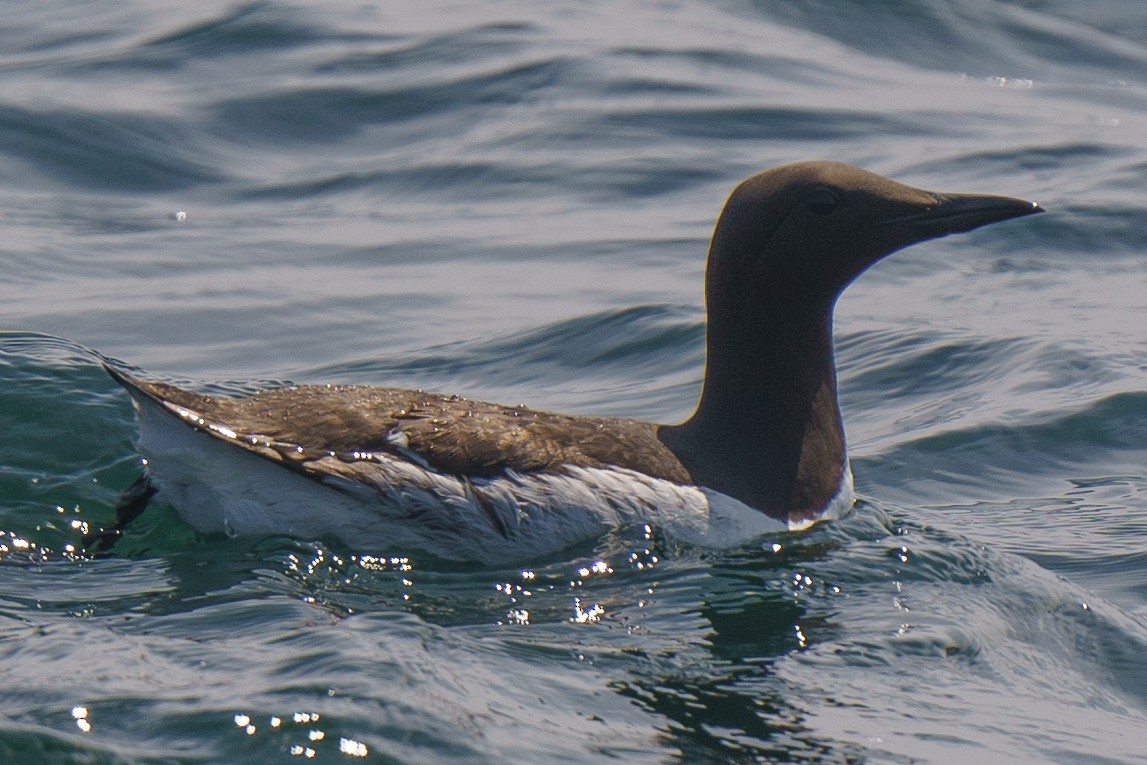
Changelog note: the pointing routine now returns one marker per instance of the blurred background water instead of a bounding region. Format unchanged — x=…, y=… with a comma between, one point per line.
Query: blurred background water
x=512, y=201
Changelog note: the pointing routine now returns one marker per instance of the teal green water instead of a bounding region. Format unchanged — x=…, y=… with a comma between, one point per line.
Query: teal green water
x=513, y=202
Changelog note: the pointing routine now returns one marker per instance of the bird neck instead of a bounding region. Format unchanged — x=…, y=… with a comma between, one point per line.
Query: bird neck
x=768, y=429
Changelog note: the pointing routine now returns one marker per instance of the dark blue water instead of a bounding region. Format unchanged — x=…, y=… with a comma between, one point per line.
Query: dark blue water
x=512, y=201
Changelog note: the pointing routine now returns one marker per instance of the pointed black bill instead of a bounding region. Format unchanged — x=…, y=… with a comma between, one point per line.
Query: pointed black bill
x=958, y=213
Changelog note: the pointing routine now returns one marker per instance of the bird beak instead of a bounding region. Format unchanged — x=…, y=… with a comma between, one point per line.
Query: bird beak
x=957, y=213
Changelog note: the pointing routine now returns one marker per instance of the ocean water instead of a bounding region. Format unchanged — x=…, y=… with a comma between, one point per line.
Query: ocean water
x=512, y=201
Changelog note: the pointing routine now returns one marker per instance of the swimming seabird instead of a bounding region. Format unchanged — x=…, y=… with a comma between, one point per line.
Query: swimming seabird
x=384, y=470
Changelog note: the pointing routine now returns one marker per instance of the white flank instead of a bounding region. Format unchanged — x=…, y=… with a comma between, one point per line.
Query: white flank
x=386, y=503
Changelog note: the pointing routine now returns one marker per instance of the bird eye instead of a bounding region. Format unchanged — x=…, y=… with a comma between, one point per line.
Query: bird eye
x=822, y=201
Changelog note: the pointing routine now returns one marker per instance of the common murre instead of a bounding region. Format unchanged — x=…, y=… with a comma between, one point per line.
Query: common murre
x=387, y=470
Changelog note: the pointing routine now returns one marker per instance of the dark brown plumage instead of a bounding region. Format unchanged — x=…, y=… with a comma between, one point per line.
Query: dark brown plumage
x=451, y=434
x=767, y=431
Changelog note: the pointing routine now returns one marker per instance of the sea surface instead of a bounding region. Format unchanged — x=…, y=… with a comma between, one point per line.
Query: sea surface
x=512, y=201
